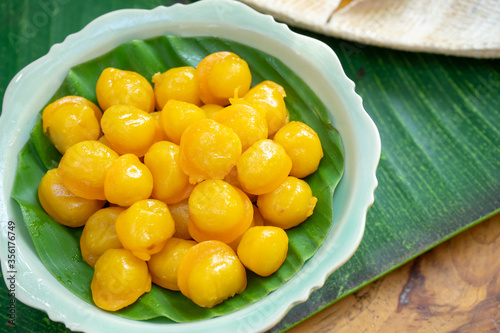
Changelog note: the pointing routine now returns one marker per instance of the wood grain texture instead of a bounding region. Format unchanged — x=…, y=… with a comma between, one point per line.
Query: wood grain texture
x=454, y=27
x=455, y=287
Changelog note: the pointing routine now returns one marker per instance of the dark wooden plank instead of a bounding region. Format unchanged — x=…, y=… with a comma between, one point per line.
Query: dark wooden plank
x=452, y=288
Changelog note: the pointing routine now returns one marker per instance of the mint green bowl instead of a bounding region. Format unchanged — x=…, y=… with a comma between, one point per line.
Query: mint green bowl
x=310, y=59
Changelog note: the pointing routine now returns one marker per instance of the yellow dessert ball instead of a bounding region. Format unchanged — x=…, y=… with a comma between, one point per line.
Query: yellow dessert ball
x=67, y=123
x=120, y=278
x=210, y=272
x=99, y=234
x=128, y=129
x=115, y=86
x=163, y=265
x=62, y=205
x=263, y=167
x=220, y=75
x=176, y=116
x=170, y=183
x=263, y=249
x=128, y=180
x=208, y=150
x=303, y=146
x=218, y=211
x=49, y=110
x=248, y=123
x=178, y=83
x=270, y=96
x=288, y=205
x=83, y=168
x=145, y=227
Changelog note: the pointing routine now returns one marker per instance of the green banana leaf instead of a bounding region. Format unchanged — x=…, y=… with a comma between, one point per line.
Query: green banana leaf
x=438, y=120
x=58, y=246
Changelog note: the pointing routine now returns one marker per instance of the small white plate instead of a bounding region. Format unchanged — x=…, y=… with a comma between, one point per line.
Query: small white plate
x=310, y=59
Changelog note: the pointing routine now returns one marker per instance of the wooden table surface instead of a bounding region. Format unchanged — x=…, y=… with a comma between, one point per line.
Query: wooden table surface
x=454, y=287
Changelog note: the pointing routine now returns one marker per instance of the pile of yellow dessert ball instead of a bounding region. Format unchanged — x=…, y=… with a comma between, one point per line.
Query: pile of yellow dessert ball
x=187, y=197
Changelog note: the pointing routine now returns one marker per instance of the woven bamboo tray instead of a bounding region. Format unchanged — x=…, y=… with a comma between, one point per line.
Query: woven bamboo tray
x=469, y=28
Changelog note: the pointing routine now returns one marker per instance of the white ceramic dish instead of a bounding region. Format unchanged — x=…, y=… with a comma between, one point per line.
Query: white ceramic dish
x=312, y=60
